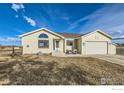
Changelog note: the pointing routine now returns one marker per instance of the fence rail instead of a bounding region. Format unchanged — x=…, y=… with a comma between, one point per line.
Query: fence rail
x=120, y=50
x=5, y=50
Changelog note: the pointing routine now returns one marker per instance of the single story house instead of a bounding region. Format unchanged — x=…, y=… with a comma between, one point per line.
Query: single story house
x=46, y=41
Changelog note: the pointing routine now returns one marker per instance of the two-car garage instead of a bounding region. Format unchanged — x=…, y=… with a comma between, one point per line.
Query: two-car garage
x=96, y=47
x=97, y=42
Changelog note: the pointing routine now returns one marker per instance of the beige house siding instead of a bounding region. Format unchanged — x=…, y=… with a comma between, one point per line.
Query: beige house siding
x=112, y=49
x=79, y=47
x=96, y=36
x=32, y=41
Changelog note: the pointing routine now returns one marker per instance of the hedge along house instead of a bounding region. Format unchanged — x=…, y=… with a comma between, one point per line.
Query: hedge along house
x=46, y=41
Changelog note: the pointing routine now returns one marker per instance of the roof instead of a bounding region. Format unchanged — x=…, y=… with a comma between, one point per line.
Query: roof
x=66, y=35
x=98, y=30
x=70, y=35
x=40, y=30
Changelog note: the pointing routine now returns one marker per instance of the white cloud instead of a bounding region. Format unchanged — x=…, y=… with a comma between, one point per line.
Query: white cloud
x=16, y=16
x=120, y=31
x=9, y=39
x=109, y=18
x=75, y=24
x=17, y=7
x=55, y=14
x=121, y=36
x=30, y=21
x=65, y=18
x=20, y=31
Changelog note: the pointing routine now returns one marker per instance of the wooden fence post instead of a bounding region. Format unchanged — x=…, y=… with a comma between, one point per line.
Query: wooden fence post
x=13, y=51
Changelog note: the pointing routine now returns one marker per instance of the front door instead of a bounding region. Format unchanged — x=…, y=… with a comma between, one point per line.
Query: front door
x=56, y=45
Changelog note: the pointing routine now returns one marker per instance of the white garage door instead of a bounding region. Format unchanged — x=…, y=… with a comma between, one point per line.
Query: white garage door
x=96, y=47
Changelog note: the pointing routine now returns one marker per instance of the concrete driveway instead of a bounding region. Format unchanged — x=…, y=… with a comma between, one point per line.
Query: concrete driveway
x=117, y=59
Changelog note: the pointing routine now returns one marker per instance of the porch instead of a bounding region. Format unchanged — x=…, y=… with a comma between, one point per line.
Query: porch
x=68, y=46
x=72, y=46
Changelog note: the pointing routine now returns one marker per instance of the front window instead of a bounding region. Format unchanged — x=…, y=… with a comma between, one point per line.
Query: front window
x=43, y=41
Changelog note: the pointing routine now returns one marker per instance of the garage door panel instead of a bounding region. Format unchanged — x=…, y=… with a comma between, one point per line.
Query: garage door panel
x=96, y=47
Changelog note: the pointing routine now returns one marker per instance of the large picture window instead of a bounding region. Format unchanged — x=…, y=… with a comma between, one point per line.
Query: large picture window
x=43, y=41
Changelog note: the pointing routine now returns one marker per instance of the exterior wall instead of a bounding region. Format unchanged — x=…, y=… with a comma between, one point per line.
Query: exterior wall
x=113, y=49
x=32, y=41
x=75, y=44
x=95, y=37
x=79, y=47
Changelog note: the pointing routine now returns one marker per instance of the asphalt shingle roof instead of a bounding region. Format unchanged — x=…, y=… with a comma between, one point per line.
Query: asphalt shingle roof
x=70, y=35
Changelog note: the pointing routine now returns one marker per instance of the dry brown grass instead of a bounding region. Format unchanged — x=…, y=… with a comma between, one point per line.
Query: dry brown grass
x=48, y=70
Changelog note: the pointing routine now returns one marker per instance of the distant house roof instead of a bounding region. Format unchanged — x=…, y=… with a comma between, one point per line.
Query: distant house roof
x=69, y=35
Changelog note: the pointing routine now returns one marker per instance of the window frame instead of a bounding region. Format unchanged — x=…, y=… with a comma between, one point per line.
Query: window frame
x=43, y=35
x=43, y=40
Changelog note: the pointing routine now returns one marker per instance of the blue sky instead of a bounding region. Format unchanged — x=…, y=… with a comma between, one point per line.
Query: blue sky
x=16, y=19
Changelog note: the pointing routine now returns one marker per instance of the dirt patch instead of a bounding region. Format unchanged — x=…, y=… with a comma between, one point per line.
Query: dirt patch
x=48, y=70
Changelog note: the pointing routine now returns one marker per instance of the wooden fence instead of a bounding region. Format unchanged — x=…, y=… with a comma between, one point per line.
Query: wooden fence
x=120, y=50
x=9, y=50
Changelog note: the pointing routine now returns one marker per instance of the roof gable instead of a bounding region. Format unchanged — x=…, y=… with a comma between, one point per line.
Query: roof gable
x=35, y=31
x=99, y=31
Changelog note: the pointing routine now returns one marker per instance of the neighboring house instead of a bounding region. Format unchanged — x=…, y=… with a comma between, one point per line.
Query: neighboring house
x=46, y=41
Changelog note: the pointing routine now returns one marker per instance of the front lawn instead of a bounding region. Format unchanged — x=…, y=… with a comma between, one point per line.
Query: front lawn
x=48, y=70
